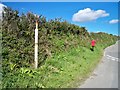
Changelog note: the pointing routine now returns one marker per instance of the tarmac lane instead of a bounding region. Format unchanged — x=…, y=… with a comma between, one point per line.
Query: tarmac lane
x=106, y=73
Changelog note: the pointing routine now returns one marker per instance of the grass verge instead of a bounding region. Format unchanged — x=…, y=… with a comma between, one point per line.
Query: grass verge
x=72, y=67
x=65, y=69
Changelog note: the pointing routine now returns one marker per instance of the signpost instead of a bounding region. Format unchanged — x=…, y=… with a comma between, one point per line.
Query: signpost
x=36, y=45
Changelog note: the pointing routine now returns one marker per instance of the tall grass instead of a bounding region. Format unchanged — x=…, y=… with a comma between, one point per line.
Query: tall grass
x=66, y=69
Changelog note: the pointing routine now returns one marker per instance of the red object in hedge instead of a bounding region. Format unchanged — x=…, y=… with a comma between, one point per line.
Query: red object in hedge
x=93, y=42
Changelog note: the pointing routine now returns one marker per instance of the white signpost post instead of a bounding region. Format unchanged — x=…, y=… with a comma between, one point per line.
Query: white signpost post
x=36, y=45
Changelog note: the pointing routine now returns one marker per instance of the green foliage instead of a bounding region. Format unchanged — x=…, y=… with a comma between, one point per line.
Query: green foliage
x=62, y=48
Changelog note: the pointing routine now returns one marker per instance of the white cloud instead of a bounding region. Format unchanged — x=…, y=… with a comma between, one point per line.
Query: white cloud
x=98, y=31
x=88, y=15
x=1, y=9
x=114, y=21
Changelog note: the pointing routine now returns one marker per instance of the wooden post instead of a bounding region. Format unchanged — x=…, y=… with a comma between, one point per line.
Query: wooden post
x=36, y=45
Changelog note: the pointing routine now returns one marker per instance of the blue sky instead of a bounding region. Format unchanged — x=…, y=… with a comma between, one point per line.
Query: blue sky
x=60, y=0
x=95, y=16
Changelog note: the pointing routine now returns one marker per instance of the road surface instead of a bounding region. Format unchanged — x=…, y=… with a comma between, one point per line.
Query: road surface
x=106, y=74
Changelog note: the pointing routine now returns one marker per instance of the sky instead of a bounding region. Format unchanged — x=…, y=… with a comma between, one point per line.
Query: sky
x=60, y=0
x=95, y=16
